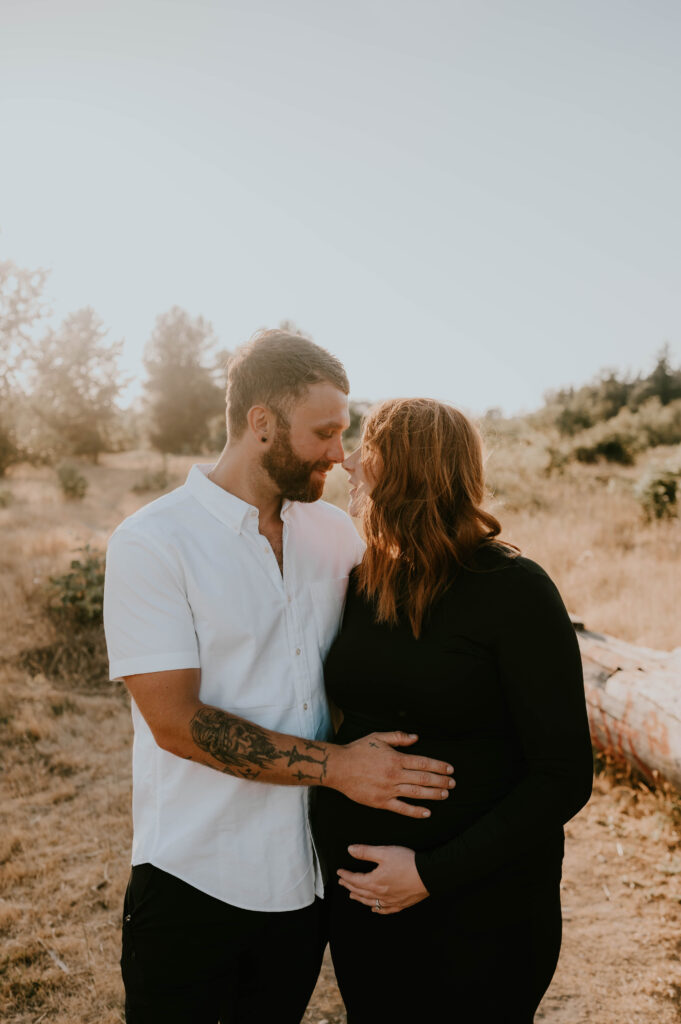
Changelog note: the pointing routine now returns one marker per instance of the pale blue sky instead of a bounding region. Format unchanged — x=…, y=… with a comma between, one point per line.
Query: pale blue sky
x=476, y=201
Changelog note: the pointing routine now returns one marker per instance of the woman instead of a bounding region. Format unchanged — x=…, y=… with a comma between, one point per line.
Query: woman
x=451, y=635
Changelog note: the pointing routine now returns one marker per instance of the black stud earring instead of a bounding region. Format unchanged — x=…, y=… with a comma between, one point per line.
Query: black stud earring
x=263, y=439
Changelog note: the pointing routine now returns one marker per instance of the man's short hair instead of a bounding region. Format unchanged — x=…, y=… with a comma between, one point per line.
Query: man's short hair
x=275, y=368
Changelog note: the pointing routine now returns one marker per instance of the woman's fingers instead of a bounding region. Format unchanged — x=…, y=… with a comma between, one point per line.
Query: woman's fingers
x=363, y=883
x=369, y=901
x=375, y=854
x=383, y=910
x=366, y=894
x=362, y=880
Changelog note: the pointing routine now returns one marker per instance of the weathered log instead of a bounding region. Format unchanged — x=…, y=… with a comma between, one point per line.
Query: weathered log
x=633, y=697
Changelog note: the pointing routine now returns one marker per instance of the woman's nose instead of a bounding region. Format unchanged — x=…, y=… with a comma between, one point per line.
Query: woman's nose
x=351, y=461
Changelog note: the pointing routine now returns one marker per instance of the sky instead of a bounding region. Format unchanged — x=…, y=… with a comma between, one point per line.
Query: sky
x=476, y=201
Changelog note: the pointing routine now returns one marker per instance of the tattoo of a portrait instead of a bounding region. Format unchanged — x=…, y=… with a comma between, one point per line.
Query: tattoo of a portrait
x=244, y=749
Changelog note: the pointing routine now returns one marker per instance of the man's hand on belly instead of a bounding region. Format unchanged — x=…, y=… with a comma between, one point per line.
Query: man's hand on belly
x=393, y=885
x=370, y=771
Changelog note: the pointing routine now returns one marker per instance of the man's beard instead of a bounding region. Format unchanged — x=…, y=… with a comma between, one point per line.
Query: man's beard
x=292, y=475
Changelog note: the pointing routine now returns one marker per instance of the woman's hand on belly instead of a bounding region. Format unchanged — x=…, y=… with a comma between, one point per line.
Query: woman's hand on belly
x=393, y=885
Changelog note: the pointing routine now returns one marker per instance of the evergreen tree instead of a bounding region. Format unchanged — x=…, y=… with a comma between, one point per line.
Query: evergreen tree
x=184, y=396
x=76, y=380
x=664, y=382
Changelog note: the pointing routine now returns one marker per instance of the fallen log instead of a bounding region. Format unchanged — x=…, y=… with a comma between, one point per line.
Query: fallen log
x=633, y=697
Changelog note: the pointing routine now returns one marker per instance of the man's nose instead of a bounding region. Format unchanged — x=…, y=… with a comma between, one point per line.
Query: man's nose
x=337, y=453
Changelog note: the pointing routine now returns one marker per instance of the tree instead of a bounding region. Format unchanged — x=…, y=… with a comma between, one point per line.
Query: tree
x=22, y=306
x=611, y=393
x=76, y=381
x=184, y=396
x=664, y=382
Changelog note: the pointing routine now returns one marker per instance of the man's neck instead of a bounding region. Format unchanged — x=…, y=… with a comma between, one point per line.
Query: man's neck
x=241, y=476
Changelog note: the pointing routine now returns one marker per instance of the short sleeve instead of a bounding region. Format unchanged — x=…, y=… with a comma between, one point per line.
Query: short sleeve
x=147, y=618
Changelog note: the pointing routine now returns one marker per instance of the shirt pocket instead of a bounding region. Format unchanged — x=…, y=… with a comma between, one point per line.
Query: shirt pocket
x=328, y=601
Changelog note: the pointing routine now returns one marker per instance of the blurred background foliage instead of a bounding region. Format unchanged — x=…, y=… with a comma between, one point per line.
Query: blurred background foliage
x=61, y=388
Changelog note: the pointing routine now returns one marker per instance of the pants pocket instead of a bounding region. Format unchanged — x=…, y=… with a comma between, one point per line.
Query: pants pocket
x=138, y=885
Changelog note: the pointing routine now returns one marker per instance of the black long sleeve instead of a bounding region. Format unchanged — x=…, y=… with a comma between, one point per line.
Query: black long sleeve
x=541, y=677
x=494, y=686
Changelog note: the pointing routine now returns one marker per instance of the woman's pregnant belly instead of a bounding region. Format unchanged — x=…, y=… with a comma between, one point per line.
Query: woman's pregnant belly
x=484, y=770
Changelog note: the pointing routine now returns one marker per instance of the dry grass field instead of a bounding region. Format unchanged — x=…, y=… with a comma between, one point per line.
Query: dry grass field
x=65, y=778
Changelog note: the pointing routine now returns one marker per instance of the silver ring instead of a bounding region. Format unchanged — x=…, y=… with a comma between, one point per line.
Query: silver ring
x=379, y=905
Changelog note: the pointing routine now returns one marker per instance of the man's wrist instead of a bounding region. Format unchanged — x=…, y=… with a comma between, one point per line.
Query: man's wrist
x=334, y=760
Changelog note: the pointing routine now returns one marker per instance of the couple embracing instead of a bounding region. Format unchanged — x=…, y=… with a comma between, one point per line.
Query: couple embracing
x=424, y=840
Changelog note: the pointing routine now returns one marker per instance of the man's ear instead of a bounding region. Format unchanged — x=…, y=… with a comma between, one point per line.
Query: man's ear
x=261, y=423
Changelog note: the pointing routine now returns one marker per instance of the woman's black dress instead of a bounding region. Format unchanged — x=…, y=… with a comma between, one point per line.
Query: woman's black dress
x=493, y=686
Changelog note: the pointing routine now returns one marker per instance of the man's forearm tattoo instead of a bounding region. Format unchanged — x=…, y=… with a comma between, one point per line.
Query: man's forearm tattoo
x=294, y=756
x=244, y=749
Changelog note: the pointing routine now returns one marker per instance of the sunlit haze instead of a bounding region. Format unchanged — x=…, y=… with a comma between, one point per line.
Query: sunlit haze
x=473, y=201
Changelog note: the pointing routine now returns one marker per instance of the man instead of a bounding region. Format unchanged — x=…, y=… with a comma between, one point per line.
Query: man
x=221, y=601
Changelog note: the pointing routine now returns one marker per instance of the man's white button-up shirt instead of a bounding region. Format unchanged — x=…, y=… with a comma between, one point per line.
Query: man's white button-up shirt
x=191, y=583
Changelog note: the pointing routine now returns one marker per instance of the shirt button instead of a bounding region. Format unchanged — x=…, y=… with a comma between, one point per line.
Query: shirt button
x=304, y=707
x=297, y=650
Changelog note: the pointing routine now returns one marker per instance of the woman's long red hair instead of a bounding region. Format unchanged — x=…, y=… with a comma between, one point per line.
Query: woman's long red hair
x=424, y=517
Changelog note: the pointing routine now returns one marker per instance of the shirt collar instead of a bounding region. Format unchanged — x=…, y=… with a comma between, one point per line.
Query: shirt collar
x=222, y=504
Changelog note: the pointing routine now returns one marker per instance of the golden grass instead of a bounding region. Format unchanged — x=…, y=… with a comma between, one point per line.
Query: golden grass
x=65, y=780
x=619, y=573
x=63, y=859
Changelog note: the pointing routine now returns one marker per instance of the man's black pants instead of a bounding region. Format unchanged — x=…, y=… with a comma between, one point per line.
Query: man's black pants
x=190, y=959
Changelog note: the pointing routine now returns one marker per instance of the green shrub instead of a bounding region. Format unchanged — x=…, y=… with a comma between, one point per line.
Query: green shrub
x=557, y=461
x=619, y=439
x=585, y=453
x=152, y=481
x=6, y=498
x=623, y=435
x=660, y=424
x=658, y=493
x=612, y=447
x=73, y=484
x=78, y=595
x=606, y=398
x=78, y=655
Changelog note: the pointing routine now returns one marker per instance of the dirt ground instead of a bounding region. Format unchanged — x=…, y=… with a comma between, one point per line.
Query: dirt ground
x=65, y=775
x=64, y=857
